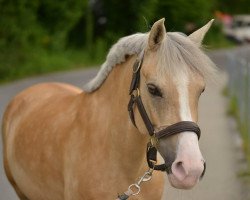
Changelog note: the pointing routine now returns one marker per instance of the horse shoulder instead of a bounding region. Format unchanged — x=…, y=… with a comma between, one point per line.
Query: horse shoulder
x=30, y=129
x=33, y=97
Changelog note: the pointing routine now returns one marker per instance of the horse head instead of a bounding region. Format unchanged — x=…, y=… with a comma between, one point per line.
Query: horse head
x=172, y=78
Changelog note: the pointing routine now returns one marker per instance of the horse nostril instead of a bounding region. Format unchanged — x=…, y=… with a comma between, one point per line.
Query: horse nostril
x=182, y=169
x=178, y=170
x=204, y=170
x=179, y=165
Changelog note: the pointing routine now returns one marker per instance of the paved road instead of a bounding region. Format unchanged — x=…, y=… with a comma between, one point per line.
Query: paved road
x=217, y=141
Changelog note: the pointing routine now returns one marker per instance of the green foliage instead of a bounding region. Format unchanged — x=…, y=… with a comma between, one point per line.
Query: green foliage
x=215, y=39
x=233, y=107
x=39, y=23
x=18, y=27
x=242, y=126
x=42, y=61
x=180, y=12
x=234, y=6
x=121, y=16
x=34, y=34
x=127, y=17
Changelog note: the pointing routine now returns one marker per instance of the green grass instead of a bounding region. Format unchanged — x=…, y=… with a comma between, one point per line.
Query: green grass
x=15, y=65
x=215, y=39
x=219, y=42
x=18, y=63
x=233, y=110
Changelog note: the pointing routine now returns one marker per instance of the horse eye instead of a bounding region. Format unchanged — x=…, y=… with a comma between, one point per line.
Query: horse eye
x=152, y=89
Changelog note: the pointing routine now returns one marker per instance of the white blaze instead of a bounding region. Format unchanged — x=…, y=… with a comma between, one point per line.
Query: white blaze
x=188, y=150
x=182, y=88
x=188, y=146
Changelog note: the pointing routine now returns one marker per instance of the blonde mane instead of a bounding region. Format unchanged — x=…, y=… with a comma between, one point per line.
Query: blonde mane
x=129, y=45
x=175, y=50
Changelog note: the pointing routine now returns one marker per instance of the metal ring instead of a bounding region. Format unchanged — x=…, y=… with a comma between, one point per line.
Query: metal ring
x=138, y=92
x=137, y=187
x=147, y=177
x=154, y=140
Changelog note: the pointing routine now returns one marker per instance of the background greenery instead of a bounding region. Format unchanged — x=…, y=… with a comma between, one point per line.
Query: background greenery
x=39, y=36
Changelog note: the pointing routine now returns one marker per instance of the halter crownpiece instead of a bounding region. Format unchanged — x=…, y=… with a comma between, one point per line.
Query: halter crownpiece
x=135, y=99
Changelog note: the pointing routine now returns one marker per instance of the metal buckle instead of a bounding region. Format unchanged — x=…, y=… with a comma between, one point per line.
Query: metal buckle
x=154, y=162
x=136, y=92
x=137, y=189
x=147, y=176
x=153, y=140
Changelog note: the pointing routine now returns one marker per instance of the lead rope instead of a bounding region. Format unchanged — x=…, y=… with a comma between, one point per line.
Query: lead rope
x=135, y=188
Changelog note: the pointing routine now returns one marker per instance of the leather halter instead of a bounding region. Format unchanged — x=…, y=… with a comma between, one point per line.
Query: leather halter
x=135, y=99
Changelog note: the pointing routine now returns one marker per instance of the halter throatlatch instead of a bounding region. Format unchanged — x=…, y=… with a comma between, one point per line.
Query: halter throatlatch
x=135, y=99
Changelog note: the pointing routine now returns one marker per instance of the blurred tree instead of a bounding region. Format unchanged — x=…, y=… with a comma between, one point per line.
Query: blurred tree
x=93, y=25
x=111, y=19
x=87, y=28
x=126, y=17
x=234, y=6
x=41, y=23
x=179, y=13
x=58, y=18
x=18, y=23
x=28, y=27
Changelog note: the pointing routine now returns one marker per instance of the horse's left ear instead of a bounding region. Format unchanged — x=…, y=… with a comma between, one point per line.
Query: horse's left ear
x=198, y=35
x=157, y=34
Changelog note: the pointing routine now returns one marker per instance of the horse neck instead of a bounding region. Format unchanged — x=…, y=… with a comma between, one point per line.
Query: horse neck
x=126, y=145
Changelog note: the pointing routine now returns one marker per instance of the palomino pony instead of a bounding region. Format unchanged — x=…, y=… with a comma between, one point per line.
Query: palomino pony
x=64, y=143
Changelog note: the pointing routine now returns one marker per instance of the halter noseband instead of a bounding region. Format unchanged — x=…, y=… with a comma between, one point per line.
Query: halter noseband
x=135, y=99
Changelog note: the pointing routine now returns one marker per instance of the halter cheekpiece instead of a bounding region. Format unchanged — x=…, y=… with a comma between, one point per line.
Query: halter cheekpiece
x=135, y=100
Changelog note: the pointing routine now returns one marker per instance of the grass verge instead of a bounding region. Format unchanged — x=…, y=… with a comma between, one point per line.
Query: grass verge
x=16, y=65
x=215, y=39
x=242, y=127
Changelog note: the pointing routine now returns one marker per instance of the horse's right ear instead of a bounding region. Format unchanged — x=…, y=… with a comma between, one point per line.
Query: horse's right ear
x=157, y=34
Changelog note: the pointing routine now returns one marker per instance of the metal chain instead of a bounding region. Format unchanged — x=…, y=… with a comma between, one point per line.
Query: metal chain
x=135, y=188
